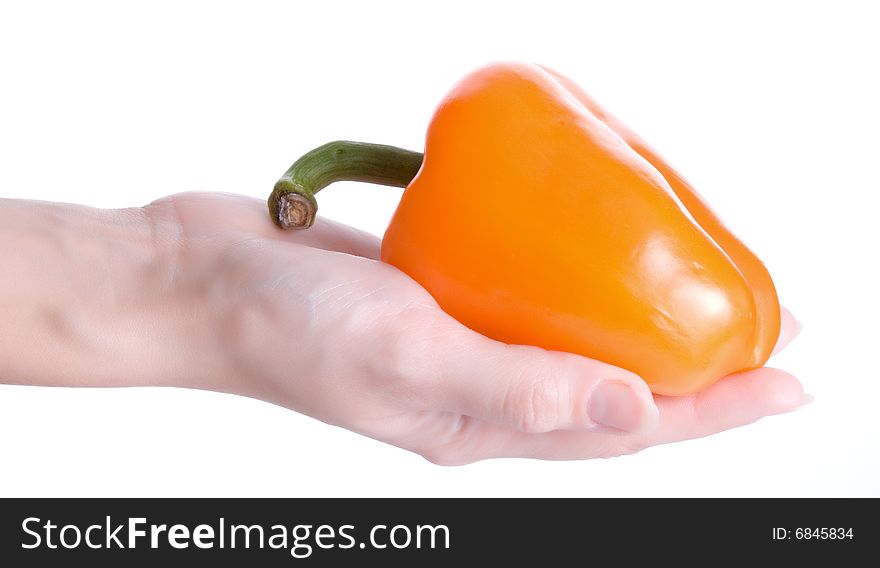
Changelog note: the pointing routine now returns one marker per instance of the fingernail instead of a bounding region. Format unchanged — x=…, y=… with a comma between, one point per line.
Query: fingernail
x=807, y=401
x=616, y=405
x=785, y=338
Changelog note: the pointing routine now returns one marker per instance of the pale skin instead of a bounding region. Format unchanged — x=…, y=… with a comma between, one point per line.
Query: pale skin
x=201, y=290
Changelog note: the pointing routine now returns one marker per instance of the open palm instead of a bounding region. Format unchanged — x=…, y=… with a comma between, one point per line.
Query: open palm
x=316, y=323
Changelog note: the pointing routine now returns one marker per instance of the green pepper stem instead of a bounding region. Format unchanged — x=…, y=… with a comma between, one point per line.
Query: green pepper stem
x=292, y=204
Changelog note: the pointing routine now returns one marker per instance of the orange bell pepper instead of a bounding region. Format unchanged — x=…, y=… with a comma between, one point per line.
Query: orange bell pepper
x=534, y=217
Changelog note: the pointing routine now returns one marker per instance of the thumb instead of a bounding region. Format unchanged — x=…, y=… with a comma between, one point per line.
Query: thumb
x=534, y=390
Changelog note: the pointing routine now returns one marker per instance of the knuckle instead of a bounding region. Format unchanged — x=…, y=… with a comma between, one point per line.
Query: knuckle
x=403, y=352
x=460, y=445
x=396, y=350
x=444, y=457
x=419, y=340
x=534, y=405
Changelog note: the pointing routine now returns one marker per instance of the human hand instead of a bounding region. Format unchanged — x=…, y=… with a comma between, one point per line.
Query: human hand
x=311, y=320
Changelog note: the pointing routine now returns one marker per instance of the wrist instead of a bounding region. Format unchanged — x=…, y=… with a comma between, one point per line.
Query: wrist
x=183, y=303
x=101, y=298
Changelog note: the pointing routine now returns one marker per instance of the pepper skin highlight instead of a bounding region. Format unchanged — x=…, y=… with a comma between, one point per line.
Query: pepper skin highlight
x=537, y=218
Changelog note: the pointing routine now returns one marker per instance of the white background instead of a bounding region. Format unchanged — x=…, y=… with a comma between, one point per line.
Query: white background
x=770, y=109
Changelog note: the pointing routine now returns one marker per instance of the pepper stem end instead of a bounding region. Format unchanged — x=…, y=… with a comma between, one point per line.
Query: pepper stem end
x=292, y=207
x=292, y=204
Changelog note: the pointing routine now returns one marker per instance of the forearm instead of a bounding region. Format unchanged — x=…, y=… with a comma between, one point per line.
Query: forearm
x=94, y=297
